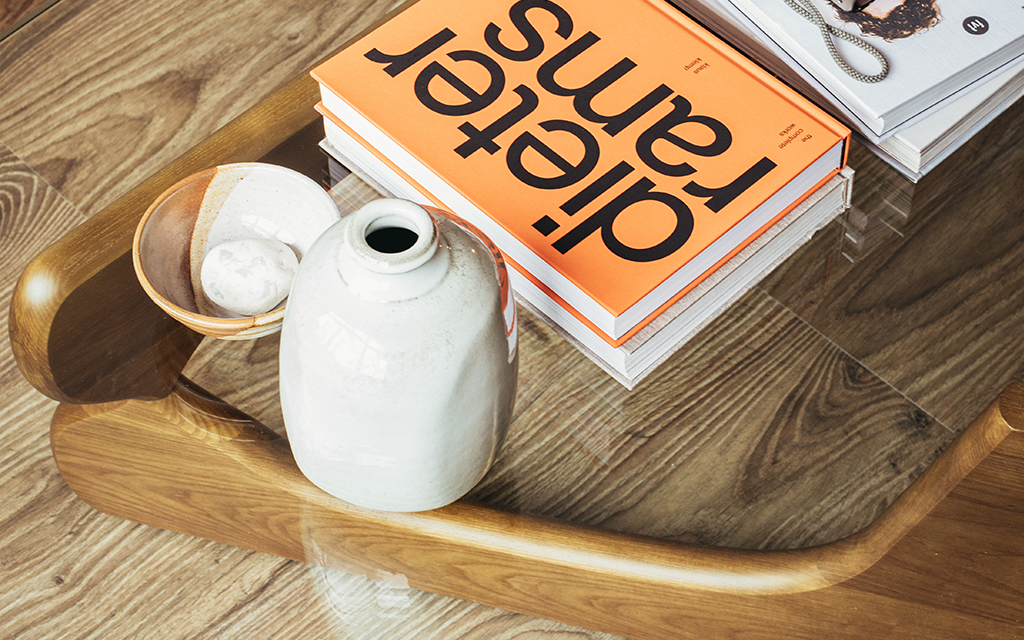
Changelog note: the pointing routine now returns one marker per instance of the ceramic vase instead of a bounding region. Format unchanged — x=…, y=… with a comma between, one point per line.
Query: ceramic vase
x=398, y=358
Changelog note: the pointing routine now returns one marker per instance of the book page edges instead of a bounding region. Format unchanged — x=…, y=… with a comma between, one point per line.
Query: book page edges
x=629, y=380
x=544, y=287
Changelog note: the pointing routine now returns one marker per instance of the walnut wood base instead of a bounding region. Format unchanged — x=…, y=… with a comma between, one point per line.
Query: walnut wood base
x=946, y=560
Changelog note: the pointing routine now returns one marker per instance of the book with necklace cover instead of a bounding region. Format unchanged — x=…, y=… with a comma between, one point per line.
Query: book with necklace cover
x=935, y=49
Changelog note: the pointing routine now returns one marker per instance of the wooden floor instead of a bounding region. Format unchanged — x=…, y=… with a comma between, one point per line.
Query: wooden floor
x=16, y=13
x=97, y=95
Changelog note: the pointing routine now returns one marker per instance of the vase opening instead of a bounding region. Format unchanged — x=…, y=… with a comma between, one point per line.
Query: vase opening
x=390, y=236
x=391, y=239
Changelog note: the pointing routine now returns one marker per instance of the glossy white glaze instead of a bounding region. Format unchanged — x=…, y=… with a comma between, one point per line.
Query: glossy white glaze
x=397, y=375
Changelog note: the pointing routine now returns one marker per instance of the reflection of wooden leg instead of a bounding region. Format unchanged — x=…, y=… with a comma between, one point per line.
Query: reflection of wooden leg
x=108, y=340
x=193, y=464
x=81, y=327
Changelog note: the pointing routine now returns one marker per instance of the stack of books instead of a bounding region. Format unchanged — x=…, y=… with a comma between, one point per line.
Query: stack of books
x=954, y=67
x=637, y=173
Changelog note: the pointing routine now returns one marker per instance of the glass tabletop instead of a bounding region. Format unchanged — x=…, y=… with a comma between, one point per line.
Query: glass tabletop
x=790, y=421
x=794, y=419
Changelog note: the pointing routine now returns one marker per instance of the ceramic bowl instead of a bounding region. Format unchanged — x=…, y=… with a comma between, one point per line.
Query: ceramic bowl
x=224, y=204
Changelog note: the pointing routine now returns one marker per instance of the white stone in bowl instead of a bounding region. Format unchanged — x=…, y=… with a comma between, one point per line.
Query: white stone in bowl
x=256, y=200
x=250, y=276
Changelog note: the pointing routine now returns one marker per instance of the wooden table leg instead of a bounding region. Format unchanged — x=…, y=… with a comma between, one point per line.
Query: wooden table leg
x=193, y=464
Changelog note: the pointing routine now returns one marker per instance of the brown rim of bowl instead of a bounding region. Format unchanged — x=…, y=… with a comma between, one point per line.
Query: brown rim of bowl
x=216, y=326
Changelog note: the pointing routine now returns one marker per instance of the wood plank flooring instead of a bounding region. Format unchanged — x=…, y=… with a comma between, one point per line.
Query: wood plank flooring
x=804, y=410
x=98, y=95
x=16, y=13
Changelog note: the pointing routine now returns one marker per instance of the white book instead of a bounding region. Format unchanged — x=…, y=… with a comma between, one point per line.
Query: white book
x=927, y=142
x=931, y=59
x=913, y=148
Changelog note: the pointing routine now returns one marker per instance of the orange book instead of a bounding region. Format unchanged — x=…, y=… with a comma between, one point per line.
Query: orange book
x=614, y=150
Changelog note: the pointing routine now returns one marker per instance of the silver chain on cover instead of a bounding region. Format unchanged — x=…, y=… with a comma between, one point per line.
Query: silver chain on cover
x=811, y=13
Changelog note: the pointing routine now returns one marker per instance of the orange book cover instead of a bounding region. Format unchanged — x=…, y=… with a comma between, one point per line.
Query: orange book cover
x=618, y=150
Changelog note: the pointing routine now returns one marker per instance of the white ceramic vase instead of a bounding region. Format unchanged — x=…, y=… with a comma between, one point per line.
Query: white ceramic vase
x=398, y=358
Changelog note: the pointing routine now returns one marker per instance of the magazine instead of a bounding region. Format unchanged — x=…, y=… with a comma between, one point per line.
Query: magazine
x=933, y=48
x=913, y=148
